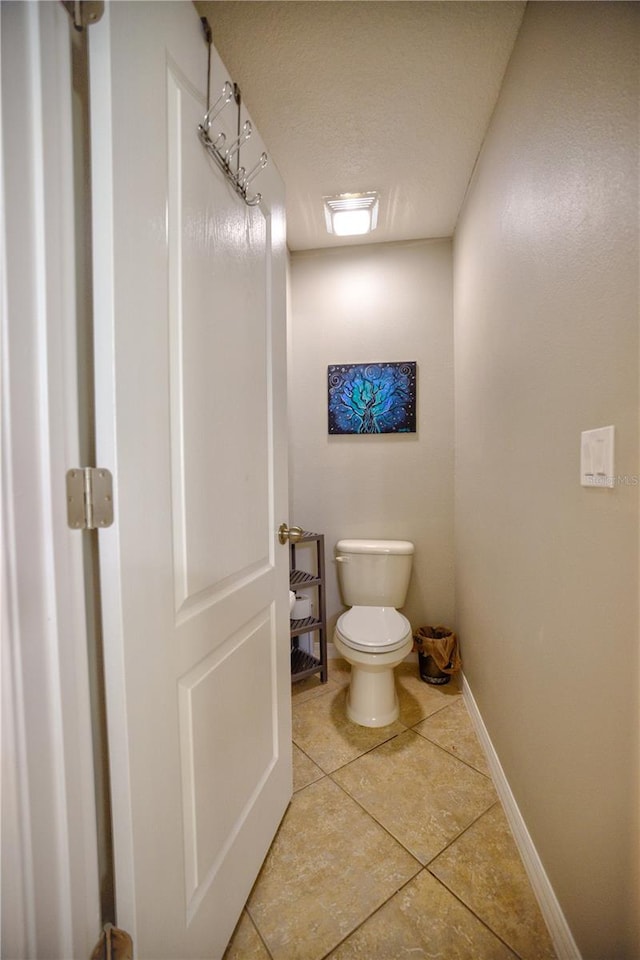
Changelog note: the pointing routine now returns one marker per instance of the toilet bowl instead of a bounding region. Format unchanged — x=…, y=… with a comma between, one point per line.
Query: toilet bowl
x=374, y=640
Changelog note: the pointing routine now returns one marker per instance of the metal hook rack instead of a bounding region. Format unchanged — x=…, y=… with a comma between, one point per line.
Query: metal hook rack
x=227, y=155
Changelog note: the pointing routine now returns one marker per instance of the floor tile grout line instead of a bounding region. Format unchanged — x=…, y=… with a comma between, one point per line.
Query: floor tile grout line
x=394, y=736
x=307, y=785
x=373, y=912
x=314, y=694
x=259, y=932
x=311, y=760
x=421, y=866
x=388, y=740
x=423, y=869
x=429, y=716
x=381, y=825
x=426, y=866
x=429, y=865
x=456, y=756
x=328, y=773
x=387, y=831
x=444, y=706
x=457, y=837
x=473, y=912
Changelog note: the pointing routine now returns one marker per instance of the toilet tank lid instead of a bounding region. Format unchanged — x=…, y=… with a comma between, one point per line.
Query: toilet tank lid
x=375, y=546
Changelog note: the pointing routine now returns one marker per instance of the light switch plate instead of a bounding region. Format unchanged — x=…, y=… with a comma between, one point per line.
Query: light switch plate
x=597, y=458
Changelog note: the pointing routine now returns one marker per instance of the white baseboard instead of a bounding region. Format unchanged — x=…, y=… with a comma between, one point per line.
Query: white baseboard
x=565, y=946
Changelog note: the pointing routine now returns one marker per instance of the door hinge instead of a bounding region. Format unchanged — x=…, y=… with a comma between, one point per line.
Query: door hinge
x=84, y=12
x=89, y=498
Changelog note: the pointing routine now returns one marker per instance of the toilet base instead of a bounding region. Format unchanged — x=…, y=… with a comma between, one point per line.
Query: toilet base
x=372, y=700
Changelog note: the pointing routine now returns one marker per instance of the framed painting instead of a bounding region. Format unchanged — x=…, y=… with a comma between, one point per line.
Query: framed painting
x=371, y=398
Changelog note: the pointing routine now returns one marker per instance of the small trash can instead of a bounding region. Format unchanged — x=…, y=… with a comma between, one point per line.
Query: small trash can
x=429, y=670
x=438, y=656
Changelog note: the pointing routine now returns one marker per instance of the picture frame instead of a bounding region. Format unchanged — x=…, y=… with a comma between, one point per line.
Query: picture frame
x=372, y=398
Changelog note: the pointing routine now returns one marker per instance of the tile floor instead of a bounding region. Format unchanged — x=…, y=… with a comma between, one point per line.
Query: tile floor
x=394, y=845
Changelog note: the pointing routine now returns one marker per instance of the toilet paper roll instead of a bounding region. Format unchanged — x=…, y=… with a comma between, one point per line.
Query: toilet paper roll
x=301, y=608
x=305, y=642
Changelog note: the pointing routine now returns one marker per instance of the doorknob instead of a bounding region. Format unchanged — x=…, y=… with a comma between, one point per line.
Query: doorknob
x=292, y=534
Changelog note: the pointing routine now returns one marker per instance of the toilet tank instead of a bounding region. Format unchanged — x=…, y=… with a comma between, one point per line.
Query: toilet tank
x=374, y=573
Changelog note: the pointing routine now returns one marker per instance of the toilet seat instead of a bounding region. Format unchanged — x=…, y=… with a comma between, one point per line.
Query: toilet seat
x=373, y=629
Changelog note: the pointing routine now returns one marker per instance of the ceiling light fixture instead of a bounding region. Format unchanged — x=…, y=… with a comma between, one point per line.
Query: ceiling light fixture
x=351, y=214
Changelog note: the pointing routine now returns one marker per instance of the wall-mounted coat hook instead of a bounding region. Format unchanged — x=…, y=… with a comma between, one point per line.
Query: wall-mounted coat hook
x=234, y=146
x=225, y=97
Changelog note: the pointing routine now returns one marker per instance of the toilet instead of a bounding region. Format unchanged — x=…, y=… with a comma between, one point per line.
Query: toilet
x=372, y=635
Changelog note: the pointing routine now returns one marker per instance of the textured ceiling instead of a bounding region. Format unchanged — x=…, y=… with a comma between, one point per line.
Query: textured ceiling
x=355, y=96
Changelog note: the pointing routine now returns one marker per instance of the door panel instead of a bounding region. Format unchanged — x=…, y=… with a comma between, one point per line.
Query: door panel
x=191, y=419
x=219, y=782
x=219, y=328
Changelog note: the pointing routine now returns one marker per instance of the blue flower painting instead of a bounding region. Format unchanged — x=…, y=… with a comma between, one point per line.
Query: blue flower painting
x=370, y=398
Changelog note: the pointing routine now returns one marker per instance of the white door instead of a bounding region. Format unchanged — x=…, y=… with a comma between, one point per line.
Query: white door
x=190, y=356
x=49, y=869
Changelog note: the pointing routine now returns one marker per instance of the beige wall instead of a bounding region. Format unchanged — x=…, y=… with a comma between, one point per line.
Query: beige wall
x=360, y=304
x=546, y=345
